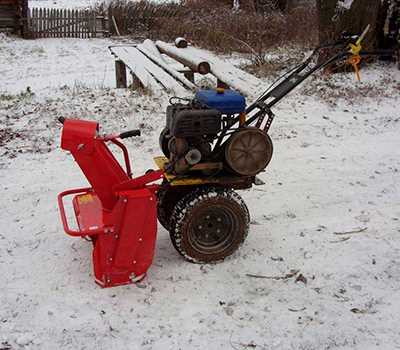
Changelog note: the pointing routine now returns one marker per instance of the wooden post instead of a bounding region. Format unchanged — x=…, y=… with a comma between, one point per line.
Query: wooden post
x=63, y=23
x=120, y=74
x=27, y=25
x=136, y=83
x=94, y=25
x=69, y=23
x=110, y=24
x=25, y=15
x=189, y=75
x=115, y=26
x=40, y=23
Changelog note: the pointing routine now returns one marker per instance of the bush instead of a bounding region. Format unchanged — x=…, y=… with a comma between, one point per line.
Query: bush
x=214, y=25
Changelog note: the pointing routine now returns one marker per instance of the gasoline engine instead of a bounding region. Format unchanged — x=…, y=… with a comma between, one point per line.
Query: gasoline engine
x=199, y=135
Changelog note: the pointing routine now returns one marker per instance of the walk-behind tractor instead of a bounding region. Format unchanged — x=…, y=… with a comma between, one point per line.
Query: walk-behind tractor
x=213, y=144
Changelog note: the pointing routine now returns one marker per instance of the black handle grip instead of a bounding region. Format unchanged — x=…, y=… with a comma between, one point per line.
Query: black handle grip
x=61, y=120
x=130, y=133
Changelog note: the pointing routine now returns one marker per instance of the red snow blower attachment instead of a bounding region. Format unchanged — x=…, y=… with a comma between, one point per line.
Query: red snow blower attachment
x=117, y=213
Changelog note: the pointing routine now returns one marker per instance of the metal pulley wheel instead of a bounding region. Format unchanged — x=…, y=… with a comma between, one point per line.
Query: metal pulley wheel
x=248, y=151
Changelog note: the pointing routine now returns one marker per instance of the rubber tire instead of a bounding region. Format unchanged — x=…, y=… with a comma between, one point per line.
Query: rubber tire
x=167, y=197
x=163, y=142
x=196, y=201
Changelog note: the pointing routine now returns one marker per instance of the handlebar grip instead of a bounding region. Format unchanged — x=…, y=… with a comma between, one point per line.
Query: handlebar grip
x=61, y=120
x=130, y=133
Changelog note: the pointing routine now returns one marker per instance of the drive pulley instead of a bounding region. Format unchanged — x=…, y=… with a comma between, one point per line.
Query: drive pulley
x=248, y=151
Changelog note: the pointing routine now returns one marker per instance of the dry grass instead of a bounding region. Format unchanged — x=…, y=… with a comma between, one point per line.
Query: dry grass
x=214, y=25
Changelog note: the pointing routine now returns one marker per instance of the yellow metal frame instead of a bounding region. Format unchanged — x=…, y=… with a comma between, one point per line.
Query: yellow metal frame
x=195, y=180
x=174, y=180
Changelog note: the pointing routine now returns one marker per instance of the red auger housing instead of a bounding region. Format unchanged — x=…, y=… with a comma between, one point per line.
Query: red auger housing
x=118, y=213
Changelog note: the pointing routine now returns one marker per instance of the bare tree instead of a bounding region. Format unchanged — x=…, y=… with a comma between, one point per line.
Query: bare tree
x=336, y=16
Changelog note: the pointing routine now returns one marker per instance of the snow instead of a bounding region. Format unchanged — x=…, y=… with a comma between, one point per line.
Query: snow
x=335, y=169
x=345, y=4
x=226, y=72
x=53, y=63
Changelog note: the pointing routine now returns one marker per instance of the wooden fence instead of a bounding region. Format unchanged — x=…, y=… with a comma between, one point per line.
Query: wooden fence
x=11, y=13
x=65, y=23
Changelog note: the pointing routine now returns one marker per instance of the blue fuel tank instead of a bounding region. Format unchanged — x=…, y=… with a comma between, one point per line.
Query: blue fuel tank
x=225, y=101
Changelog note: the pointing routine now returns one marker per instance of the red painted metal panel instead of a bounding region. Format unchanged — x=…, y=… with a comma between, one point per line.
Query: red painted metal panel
x=119, y=213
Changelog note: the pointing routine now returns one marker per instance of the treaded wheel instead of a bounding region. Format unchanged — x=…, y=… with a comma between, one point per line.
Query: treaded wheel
x=167, y=197
x=163, y=142
x=209, y=224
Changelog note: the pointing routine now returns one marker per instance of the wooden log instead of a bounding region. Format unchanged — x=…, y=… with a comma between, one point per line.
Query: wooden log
x=181, y=43
x=228, y=73
x=151, y=47
x=120, y=74
x=181, y=55
x=161, y=63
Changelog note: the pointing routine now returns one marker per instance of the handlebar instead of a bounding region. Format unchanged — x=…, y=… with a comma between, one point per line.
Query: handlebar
x=130, y=133
x=123, y=135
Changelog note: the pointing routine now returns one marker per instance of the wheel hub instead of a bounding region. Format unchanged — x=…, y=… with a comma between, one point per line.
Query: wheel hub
x=212, y=229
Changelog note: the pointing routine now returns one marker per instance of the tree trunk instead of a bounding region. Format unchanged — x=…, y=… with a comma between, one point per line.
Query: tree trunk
x=352, y=16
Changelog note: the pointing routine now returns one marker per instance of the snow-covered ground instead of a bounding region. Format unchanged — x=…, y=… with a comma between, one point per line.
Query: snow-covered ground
x=335, y=169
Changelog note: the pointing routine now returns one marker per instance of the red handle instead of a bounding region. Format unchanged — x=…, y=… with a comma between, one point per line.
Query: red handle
x=113, y=138
x=74, y=233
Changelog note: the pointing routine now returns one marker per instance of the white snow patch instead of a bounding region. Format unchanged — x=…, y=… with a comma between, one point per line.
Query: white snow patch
x=345, y=4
